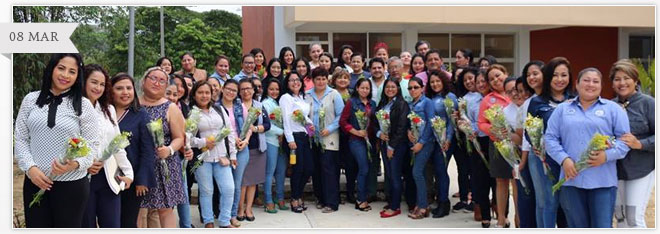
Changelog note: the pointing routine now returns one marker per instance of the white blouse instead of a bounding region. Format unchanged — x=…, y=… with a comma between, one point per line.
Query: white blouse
x=289, y=104
x=210, y=123
x=108, y=132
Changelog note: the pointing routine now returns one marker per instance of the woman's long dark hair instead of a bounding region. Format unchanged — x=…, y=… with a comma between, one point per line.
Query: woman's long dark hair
x=270, y=64
x=295, y=66
x=355, y=93
x=282, y=53
x=47, y=82
x=383, y=97
x=230, y=81
x=186, y=93
x=194, y=90
x=161, y=59
x=446, y=84
x=135, y=104
x=103, y=100
x=411, y=71
x=340, y=61
x=266, y=83
x=460, y=88
x=524, y=74
x=285, y=84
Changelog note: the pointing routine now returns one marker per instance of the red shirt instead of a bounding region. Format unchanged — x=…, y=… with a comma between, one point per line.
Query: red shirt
x=493, y=98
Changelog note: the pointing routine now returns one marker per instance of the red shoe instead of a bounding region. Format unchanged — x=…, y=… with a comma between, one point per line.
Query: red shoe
x=385, y=215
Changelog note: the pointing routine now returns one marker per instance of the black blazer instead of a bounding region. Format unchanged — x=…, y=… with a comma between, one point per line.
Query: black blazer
x=399, y=123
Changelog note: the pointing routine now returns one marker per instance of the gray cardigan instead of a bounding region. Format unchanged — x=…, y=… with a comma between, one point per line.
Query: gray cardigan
x=641, y=113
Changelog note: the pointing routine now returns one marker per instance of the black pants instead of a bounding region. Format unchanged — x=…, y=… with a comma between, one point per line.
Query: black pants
x=463, y=167
x=327, y=177
x=409, y=187
x=61, y=207
x=482, y=181
x=103, y=204
x=317, y=176
x=349, y=164
x=374, y=168
x=304, y=167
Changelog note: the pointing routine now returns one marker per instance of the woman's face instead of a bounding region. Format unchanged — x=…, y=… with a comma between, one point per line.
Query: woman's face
x=275, y=69
x=288, y=57
x=346, y=55
x=203, y=96
x=229, y=92
x=257, y=85
x=391, y=89
x=422, y=49
x=418, y=65
x=320, y=83
x=534, y=77
x=468, y=82
x=215, y=88
x=405, y=58
x=511, y=92
x=247, y=91
x=496, y=79
x=179, y=87
x=623, y=85
x=560, y=79
x=382, y=53
x=122, y=93
x=315, y=51
x=171, y=93
x=461, y=60
x=436, y=84
x=364, y=90
x=188, y=63
x=301, y=68
x=484, y=64
x=273, y=90
x=522, y=92
x=295, y=83
x=155, y=84
x=248, y=65
x=482, y=85
x=222, y=67
x=356, y=64
x=166, y=65
x=415, y=89
x=189, y=83
x=325, y=62
x=259, y=59
x=95, y=86
x=433, y=62
x=65, y=74
x=589, y=86
x=342, y=82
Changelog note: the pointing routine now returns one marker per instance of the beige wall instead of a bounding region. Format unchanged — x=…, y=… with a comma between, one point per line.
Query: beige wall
x=613, y=16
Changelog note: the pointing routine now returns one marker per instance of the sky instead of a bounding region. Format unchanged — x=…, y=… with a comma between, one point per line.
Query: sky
x=236, y=9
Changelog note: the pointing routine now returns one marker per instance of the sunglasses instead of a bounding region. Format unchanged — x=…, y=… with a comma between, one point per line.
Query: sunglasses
x=414, y=87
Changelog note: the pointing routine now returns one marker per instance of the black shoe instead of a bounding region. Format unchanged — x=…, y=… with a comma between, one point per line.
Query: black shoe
x=469, y=208
x=485, y=225
x=248, y=218
x=240, y=218
x=461, y=205
x=442, y=210
x=350, y=199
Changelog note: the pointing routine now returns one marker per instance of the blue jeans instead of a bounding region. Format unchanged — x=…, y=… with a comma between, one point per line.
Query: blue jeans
x=441, y=175
x=546, y=203
x=280, y=175
x=272, y=161
x=588, y=208
x=242, y=159
x=526, y=200
x=359, y=151
x=185, y=221
x=224, y=179
x=418, y=172
x=393, y=173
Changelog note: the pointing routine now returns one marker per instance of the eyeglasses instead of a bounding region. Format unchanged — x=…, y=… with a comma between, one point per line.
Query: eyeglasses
x=294, y=80
x=511, y=92
x=156, y=81
x=248, y=63
x=228, y=90
x=247, y=89
x=414, y=87
x=258, y=86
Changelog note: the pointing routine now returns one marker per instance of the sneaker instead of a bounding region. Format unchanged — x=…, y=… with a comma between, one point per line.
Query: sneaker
x=469, y=208
x=461, y=205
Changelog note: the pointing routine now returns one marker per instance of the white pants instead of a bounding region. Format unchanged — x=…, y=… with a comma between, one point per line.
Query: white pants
x=631, y=200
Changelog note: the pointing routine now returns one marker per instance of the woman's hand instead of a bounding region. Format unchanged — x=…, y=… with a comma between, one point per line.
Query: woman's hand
x=360, y=133
x=292, y=145
x=224, y=161
x=325, y=133
x=312, y=128
x=234, y=163
x=163, y=152
x=417, y=147
x=39, y=179
x=188, y=154
x=95, y=168
x=384, y=137
x=537, y=152
x=445, y=146
x=210, y=143
x=59, y=169
x=631, y=141
x=390, y=153
x=569, y=169
x=597, y=158
x=126, y=180
x=141, y=190
x=411, y=137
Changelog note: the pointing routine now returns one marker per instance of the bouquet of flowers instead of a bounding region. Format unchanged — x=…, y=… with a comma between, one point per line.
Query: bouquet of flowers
x=300, y=118
x=466, y=128
x=383, y=118
x=317, y=137
x=191, y=130
x=440, y=129
x=449, y=108
x=363, y=121
x=252, y=116
x=598, y=142
x=416, y=124
x=76, y=148
x=156, y=129
x=534, y=128
x=345, y=96
x=509, y=152
x=261, y=72
x=224, y=132
x=119, y=142
x=499, y=127
x=276, y=117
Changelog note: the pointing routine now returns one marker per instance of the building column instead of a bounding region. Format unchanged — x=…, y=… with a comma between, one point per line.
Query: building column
x=284, y=36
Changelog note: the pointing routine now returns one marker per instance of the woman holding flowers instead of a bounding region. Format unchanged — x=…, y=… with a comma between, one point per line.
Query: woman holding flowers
x=104, y=201
x=327, y=106
x=499, y=169
x=287, y=56
x=216, y=163
x=557, y=88
x=635, y=171
x=47, y=122
x=297, y=128
x=274, y=70
x=255, y=120
x=276, y=163
x=341, y=79
x=168, y=191
x=577, y=138
x=422, y=110
x=354, y=121
x=392, y=116
x=231, y=104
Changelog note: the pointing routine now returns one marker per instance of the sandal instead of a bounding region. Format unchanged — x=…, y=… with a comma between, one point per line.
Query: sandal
x=297, y=208
x=365, y=209
x=282, y=205
x=327, y=209
x=270, y=210
x=419, y=214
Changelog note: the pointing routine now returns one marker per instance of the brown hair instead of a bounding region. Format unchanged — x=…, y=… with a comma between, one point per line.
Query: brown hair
x=627, y=67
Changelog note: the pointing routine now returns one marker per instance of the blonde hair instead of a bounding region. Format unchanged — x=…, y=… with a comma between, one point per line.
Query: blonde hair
x=497, y=67
x=627, y=67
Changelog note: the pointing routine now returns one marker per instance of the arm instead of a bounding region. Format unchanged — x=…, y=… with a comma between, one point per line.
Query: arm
x=482, y=122
x=427, y=133
x=339, y=107
x=122, y=159
x=177, y=124
x=287, y=110
x=552, y=137
x=621, y=126
x=22, y=134
x=273, y=128
x=230, y=138
x=266, y=121
x=89, y=130
x=345, y=116
x=648, y=143
x=145, y=173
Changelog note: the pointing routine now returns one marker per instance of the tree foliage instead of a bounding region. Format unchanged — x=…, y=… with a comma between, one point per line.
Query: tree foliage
x=102, y=37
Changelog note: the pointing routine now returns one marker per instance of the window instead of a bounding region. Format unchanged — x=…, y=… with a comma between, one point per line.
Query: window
x=502, y=46
x=357, y=40
x=304, y=40
x=438, y=41
x=393, y=41
x=642, y=47
x=361, y=42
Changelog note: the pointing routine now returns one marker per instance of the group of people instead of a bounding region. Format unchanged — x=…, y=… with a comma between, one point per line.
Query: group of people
x=318, y=119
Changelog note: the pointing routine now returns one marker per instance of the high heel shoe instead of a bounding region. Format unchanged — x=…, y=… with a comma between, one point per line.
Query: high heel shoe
x=281, y=205
x=419, y=214
x=366, y=208
x=485, y=225
x=296, y=209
